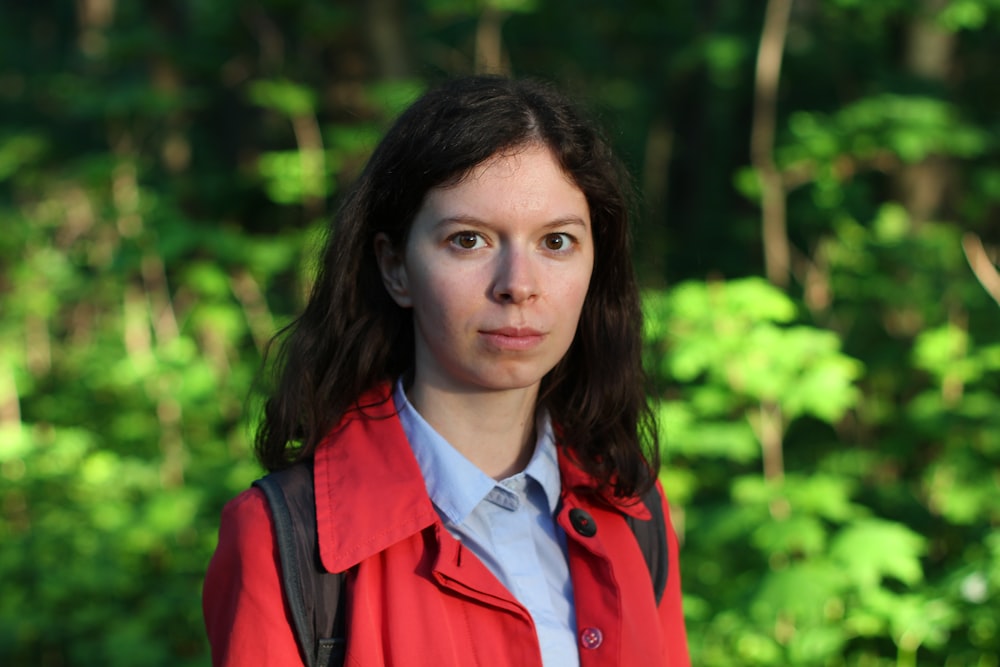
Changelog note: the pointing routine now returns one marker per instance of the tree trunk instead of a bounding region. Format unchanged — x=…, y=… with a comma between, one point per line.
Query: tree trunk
x=386, y=37
x=490, y=57
x=930, y=49
x=774, y=226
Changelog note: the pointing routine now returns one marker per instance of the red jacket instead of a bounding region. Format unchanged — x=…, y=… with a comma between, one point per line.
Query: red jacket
x=415, y=595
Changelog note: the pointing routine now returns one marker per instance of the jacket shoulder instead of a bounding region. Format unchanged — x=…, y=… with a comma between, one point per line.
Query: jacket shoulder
x=244, y=609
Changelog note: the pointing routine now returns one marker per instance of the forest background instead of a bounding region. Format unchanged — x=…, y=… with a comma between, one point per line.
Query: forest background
x=817, y=238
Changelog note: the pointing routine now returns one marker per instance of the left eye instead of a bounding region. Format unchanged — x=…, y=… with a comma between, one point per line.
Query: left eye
x=560, y=241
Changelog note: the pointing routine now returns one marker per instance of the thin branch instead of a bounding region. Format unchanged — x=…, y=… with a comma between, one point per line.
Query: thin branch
x=384, y=20
x=310, y=140
x=10, y=402
x=775, y=234
x=258, y=315
x=771, y=434
x=983, y=268
x=489, y=41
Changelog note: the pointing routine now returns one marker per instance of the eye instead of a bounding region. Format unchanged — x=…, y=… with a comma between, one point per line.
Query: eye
x=467, y=240
x=557, y=242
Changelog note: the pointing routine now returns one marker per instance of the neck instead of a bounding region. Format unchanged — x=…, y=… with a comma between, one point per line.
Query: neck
x=494, y=430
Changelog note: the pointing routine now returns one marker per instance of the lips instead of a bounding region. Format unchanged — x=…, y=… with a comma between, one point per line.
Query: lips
x=514, y=332
x=513, y=338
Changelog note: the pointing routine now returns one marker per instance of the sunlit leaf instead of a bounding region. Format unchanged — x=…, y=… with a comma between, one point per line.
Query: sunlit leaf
x=290, y=98
x=799, y=534
x=871, y=549
x=800, y=591
x=815, y=644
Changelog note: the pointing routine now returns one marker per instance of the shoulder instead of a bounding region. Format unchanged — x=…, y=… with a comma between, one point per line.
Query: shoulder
x=246, y=534
x=246, y=515
x=246, y=546
x=242, y=599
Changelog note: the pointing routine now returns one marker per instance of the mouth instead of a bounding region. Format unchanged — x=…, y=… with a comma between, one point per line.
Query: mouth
x=513, y=338
x=514, y=332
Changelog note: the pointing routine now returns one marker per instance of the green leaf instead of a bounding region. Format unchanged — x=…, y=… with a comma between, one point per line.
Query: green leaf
x=207, y=279
x=679, y=484
x=872, y=549
x=289, y=98
x=816, y=645
x=682, y=434
x=943, y=351
x=960, y=493
x=914, y=620
x=392, y=97
x=14, y=444
x=798, y=534
x=825, y=495
x=19, y=151
x=892, y=224
x=800, y=591
x=291, y=177
x=964, y=14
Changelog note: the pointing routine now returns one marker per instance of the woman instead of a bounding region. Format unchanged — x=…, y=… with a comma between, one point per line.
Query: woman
x=465, y=377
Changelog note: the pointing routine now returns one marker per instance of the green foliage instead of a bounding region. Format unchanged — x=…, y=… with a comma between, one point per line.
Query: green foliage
x=286, y=97
x=911, y=127
x=967, y=14
x=728, y=344
x=291, y=177
x=473, y=7
x=822, y=560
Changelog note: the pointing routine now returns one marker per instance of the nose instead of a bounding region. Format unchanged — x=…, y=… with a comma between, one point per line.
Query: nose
x=516, y=279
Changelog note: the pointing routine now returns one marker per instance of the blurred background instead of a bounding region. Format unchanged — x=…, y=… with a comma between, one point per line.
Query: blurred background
x=817, y=238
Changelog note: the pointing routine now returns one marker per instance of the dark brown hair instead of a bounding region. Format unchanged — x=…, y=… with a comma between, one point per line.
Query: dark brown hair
x=352, y=335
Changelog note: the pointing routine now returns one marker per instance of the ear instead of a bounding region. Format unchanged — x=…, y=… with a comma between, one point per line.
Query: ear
x=393, y=270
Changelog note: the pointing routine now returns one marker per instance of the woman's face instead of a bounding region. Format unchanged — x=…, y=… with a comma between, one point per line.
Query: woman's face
x=496, y=270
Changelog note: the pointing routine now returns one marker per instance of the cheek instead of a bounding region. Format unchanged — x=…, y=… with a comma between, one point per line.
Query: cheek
x=440, y=298
x=576, y=290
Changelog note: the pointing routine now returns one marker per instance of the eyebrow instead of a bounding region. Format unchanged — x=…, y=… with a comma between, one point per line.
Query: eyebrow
x=478, y=222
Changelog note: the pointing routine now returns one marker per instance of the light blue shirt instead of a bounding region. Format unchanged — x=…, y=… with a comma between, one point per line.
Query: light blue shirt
x=510, y=525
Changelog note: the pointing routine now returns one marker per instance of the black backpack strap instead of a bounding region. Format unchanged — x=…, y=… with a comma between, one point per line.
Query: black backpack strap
x=315, y=596
x=652, y=538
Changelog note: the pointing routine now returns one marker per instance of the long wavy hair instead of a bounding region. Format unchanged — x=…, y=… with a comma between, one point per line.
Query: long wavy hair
x=352, y=335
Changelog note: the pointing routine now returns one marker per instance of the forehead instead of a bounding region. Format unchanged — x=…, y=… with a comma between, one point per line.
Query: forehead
x=521, y=182
x=506, y=163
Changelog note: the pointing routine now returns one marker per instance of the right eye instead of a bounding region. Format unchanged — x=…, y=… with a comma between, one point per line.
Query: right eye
x=467, y=240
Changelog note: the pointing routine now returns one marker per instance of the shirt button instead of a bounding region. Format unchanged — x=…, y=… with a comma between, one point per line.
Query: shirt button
x=591, y=638
x=582, y=522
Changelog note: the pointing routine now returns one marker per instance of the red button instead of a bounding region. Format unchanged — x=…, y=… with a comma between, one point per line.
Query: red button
x=591, y=637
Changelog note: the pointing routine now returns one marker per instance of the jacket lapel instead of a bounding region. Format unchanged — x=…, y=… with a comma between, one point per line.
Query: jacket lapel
x=370, y=493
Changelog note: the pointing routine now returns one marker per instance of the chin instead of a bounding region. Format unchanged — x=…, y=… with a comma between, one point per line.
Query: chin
x=499, y=381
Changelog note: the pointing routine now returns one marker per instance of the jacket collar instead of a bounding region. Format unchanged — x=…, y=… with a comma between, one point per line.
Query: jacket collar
x=581, y=486
x=369, y=490
x=370, y=493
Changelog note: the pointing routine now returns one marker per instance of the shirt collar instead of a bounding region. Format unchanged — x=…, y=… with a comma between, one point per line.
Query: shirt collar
x=455, y=485
x=544, y=464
